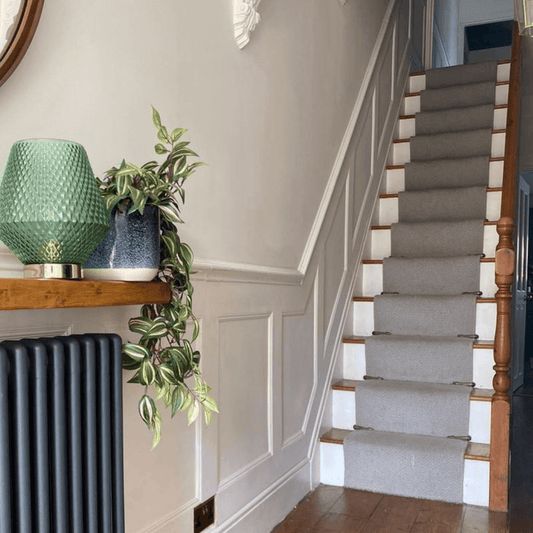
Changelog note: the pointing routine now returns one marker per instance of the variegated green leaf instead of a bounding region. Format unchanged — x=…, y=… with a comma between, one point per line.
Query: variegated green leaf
x=135, y=351
x=147, y=372
x=193, y=412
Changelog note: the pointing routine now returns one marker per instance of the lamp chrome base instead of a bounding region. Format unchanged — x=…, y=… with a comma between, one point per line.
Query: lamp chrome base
x=53, y=271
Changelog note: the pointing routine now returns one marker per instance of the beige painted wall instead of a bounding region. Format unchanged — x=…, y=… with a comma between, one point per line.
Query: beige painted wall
x=269, y=120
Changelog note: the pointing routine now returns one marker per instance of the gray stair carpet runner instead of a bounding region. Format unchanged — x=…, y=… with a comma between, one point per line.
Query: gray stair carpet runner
x=413, y=408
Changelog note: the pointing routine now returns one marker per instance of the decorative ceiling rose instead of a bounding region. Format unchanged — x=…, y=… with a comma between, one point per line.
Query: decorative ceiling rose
x=245, y=19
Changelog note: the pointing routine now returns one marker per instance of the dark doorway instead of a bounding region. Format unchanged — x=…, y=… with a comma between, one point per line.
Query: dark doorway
x=528, y=349
x=485, y=42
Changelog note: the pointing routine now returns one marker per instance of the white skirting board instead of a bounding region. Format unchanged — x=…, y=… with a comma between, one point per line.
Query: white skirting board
x=475, y=481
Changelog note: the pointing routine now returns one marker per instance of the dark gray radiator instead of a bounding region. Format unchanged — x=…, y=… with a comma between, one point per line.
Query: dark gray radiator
x=61, y=462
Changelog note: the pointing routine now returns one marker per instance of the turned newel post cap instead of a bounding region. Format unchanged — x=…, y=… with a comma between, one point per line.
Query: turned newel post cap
x=505, y=226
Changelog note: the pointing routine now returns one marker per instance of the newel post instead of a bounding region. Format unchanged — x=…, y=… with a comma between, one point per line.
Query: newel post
x=499, y=455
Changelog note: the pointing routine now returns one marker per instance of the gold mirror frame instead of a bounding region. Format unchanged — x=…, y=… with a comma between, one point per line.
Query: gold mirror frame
x=27, y=24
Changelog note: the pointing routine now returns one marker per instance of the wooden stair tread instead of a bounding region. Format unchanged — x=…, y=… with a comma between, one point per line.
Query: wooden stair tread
x=388, y=226
x=474, y=451
x=349, y=385
x=385, y=195
x=380, y=261
x=480, y=299
x=478, y=345
x=477, y=451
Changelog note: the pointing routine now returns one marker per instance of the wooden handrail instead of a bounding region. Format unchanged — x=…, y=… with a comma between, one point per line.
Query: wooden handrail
x=505, y=267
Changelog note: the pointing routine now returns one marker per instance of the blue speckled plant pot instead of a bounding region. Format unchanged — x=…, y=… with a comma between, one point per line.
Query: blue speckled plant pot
x=130, y=251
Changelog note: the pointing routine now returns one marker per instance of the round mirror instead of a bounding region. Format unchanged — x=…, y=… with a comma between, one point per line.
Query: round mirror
x=18, y=20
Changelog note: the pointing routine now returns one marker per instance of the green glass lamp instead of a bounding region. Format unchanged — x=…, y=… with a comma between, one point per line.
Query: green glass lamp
x=52, y=215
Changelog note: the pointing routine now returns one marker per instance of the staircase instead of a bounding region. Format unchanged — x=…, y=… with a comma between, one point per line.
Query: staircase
x=415, y=375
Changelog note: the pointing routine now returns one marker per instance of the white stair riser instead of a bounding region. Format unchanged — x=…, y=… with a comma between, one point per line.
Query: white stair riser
x=475, y=481
x=418, y=83
x=407, y=126
x=401, y=152
x=396, y=177
x=381, y=242
x=411, y=104
x=371, y=280
x=388, y=208
x=354, y=364
x=343, y=408
x=363, y=319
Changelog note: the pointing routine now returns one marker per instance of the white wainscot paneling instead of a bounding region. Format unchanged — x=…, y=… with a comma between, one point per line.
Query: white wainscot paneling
x=384, y=92
x=335, y=261
x=180, y=477
x=299, y=372
x=245, y=390
x=363, y=165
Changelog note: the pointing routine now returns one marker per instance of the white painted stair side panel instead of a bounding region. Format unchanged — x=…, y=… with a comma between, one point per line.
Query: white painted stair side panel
x=343, y=409
x=483, y=371
x=475, y=482
x=332, y=464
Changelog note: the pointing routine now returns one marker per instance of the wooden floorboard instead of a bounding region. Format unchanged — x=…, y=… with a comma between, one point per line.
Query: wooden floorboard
x=336, y=509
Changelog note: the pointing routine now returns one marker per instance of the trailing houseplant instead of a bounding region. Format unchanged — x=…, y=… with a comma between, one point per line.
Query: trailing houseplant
x=163, y=359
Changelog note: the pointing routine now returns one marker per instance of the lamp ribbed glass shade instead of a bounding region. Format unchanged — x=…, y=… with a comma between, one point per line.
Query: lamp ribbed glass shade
x=51, y=210
x=524, y=15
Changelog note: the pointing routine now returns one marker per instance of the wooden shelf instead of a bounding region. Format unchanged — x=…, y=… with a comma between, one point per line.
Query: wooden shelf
x=51, y=294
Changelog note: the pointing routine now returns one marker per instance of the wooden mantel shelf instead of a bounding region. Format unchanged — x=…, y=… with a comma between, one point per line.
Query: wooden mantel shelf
x=50, y=294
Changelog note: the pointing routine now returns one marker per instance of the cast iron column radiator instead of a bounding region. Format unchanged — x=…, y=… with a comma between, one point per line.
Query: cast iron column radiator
x=61, y=458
